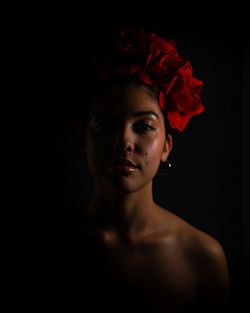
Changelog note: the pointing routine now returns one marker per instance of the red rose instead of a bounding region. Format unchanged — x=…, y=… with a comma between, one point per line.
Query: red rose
x=163, y=60
x=183, y=98
x=156, y=62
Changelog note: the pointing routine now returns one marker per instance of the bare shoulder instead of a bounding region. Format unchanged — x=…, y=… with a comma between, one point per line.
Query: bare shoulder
x=200, y=246
x=195, y=243
x=202, y=256
x=206, y=257
x=202, y=251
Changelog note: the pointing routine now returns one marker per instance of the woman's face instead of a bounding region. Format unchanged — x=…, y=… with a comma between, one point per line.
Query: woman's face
x=126, y=123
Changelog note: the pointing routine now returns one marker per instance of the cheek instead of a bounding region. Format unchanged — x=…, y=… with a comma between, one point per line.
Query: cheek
x=97, y=154
x=152, y=154
x=94, y=145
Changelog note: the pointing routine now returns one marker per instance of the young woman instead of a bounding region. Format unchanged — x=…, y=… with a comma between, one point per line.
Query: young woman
x=137, y=254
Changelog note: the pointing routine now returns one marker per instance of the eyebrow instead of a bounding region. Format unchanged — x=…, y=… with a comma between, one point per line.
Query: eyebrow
x=143, y=113
x=134, y=114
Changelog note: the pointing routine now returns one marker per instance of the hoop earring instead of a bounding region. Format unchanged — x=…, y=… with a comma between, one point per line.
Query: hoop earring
x=167, y=166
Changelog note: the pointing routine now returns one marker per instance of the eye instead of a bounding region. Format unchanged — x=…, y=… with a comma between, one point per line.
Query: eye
x=144, y=127
x=100, y=125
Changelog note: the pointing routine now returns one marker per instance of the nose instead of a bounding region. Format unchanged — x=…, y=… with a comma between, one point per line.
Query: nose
x=124, y=140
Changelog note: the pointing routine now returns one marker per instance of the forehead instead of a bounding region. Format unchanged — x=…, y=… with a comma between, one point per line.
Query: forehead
x=125, y=100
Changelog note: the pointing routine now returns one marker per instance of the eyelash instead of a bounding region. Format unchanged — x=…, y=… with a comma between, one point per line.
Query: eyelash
x=146, y=127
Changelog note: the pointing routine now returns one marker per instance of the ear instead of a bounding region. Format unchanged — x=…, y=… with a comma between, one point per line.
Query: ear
x=168, y=144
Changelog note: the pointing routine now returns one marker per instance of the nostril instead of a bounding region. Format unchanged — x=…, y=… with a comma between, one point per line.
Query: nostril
x=123, y=146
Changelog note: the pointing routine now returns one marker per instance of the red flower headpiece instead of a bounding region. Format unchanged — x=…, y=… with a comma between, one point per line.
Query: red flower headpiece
x=156, y=62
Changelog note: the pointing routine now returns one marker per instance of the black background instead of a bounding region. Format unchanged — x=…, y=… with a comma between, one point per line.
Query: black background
x=205, y=184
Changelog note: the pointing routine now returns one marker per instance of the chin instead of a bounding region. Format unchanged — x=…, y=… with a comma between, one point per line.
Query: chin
x=121, y=187
x=123, y=184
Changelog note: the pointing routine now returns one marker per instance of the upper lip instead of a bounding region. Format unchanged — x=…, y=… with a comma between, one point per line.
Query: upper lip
x=122, y=161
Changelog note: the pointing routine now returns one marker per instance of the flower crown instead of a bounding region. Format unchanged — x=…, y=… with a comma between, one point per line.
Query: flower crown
x=156, y=61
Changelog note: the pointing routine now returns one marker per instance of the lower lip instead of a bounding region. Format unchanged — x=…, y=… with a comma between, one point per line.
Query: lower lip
x=126, y=169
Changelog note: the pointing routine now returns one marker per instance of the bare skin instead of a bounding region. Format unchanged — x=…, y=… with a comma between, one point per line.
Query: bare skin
x=156, y=260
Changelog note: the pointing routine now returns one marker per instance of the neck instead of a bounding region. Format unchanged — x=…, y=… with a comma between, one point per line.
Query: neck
x=122, y=211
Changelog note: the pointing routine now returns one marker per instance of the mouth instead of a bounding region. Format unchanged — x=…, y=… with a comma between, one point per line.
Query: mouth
x=124, y=162
x=124, y=166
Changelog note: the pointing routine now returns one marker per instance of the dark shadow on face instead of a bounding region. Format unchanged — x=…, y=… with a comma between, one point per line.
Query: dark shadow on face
x=125, y=122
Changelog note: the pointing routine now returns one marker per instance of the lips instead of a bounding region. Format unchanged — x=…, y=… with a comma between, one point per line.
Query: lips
x=125, y=163
x=122, y=162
